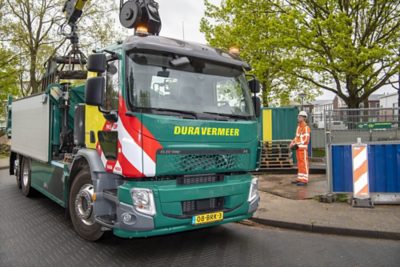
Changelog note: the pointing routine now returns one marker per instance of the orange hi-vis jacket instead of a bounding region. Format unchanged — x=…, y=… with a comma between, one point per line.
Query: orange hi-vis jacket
x=302, y=135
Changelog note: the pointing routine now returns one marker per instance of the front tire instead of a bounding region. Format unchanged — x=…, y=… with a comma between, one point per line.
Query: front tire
x=81, y=207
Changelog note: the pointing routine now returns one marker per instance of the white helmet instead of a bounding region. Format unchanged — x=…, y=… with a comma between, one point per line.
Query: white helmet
x=303, y=113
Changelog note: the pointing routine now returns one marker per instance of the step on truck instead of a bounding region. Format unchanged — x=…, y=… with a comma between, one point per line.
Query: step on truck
x=146, y=137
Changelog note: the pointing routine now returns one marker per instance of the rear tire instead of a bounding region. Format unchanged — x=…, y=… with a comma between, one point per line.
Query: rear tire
x=80, y=206
x=17, y=172
x=25, y=177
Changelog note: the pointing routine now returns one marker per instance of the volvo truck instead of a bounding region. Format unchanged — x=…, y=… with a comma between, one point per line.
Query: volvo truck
x=145, y=137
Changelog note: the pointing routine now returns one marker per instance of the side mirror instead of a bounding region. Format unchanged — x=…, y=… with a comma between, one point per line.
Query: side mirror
x=97, y=63
x=112, y=116
x=254, y=86
x=257, y=105
x=94, y=91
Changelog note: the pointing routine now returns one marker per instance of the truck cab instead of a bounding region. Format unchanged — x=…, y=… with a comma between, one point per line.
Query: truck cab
x=176, y=124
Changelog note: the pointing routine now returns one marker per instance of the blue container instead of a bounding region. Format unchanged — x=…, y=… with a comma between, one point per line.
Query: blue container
x=383, y=168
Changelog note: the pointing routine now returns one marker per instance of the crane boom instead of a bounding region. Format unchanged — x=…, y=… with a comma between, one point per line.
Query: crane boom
x=73, y=10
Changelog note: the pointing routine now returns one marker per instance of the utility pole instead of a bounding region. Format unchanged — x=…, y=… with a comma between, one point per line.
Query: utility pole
x=183, y=30
x=398, y=96
x=302, y=96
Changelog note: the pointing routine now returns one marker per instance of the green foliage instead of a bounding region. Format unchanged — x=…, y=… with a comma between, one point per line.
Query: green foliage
x=253, y=26
x=8, y=72
x=350, y=48
x=30, y=29
x=8, y=77
x=346, y=47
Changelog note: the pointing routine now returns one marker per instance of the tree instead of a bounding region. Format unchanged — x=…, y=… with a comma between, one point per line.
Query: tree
x=348, y=47
x=8, y=72
x=31, y=27
x=8, y=77
x=252, y=26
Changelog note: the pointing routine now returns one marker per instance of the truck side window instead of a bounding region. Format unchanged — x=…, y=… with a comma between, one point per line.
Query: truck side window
x=112, y=86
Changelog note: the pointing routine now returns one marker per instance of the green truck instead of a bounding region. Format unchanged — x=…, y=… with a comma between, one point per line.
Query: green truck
x=154, y=136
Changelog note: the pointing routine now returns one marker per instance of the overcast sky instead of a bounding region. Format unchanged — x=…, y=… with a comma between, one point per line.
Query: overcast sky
x=177, y=15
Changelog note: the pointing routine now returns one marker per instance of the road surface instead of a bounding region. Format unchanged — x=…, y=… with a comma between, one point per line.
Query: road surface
x=33, y=232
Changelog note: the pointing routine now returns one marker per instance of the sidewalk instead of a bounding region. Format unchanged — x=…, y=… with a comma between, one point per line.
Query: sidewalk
x=288, y=206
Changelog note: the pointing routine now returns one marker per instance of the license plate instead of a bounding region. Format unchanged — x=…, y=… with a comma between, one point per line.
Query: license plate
x=208, y=218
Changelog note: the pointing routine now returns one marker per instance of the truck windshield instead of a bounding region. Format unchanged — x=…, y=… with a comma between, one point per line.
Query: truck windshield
x=191, y=87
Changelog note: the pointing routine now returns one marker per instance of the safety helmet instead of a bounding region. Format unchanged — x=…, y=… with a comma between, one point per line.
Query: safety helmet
x=303, y=113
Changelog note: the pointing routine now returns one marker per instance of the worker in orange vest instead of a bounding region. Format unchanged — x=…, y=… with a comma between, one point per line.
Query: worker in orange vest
x=300, y=144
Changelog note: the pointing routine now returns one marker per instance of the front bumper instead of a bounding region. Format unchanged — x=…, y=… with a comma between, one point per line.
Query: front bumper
x=168, y=198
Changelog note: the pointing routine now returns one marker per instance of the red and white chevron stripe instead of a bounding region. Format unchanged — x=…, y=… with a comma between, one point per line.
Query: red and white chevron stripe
x=137, y=147
x=360, y=171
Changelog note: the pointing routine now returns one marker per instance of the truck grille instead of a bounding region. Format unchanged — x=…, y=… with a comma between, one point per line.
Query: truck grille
x=199, y=179
x=203, y=161
x=202, y=205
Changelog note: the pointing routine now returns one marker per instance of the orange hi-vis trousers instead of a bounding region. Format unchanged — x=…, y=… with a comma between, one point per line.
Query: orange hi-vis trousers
x=302, y=139
x=302, y=165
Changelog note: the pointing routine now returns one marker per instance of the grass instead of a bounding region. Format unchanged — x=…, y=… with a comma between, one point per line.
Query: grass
x=4, y=151
x=318, y=152
x=342, y=197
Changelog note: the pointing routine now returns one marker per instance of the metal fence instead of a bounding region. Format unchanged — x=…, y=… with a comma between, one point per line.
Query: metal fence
x=371, y=125
x=376, y=127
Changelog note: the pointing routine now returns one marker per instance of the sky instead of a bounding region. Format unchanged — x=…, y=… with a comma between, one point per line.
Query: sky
x=181, y=20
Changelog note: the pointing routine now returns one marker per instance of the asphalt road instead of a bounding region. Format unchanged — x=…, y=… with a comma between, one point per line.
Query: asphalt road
x=33, y=232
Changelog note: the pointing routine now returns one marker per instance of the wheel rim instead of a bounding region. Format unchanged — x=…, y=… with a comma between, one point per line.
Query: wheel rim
x=84, y=204
x=25, y=175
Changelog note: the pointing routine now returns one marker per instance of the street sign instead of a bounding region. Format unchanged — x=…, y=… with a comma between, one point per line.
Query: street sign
x=374, y=125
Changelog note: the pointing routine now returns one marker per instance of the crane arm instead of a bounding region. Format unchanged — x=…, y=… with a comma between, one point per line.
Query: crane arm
x=73, y=10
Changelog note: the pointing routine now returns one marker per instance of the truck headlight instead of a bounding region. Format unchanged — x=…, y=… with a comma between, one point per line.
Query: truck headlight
x=253, y=194
x=143, y=201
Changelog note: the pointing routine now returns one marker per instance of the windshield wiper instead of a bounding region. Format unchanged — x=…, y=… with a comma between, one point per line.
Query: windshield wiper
x=234, y=116
x=171, y=111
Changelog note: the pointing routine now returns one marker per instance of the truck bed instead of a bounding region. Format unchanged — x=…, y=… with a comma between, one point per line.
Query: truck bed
x=31, y=127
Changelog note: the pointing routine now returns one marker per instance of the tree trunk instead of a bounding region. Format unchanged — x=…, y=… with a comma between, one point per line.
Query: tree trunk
x=32, y=74
x=352, y=116
x=265, y=92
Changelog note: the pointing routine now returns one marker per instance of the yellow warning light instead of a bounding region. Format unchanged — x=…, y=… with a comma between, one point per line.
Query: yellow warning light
x=234, y=50
x=142, y=30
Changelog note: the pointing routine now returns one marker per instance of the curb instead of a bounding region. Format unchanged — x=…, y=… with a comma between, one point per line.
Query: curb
x=289, y=171
x=328, y=229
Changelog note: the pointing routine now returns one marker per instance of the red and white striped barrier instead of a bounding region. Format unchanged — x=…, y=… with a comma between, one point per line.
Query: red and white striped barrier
x=361, y=196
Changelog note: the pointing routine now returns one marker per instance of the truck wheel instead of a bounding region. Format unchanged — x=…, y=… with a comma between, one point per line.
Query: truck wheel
x=25, y=177
x=81, y=207
x=17, y=172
